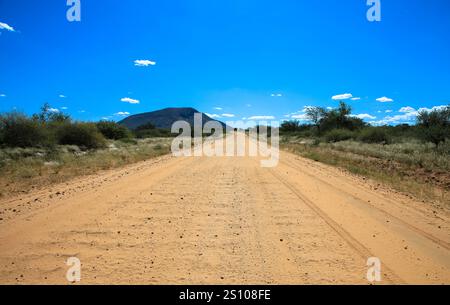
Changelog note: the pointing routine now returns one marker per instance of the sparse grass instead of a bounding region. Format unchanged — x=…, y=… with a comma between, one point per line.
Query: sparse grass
x=24, y=169
x=410, y=152
x=411, y=167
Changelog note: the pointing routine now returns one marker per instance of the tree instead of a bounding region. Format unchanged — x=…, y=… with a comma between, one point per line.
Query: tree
x=50, y=115
x=146, y=127
x=435, y=124
x=315, y=114
x=344, y=111
x=290, y=126
x=339, y=118
x=18, y=130
x=85, y=135
x=113, y=131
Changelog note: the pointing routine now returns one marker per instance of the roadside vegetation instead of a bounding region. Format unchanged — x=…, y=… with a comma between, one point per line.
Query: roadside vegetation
x=50, y=147
x=412, y=159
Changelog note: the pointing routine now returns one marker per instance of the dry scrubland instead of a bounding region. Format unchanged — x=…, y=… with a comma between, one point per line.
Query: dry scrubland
x=222, y=220
x=414, y=159
x=409, y=166
x=413, y=167
x=50, y=147
x=26, y=169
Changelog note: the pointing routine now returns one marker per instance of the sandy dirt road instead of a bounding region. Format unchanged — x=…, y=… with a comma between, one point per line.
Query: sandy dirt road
x=222, y=220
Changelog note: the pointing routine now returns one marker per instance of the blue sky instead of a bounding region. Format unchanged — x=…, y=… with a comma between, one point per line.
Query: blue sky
x=242, y=58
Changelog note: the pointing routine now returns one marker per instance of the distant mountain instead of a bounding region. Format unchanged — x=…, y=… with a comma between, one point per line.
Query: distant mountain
x=165, y=118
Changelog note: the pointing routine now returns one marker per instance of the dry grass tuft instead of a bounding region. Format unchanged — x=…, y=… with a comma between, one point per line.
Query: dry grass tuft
x=24, y=169
x=411, y=167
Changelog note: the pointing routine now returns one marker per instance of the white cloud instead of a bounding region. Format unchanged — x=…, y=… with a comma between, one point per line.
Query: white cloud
x=82, y=111
x=301, y=117
x=122, y=113
x=216, y=116
x=2, y=95
x=384, y=99
x=378, y=123
x=261, y=117
x=306, y=108
x=53, y=110
x=388, y=111
x=364, y=116
x=213, y=116
x=398, y=119
x=355, y=98
x=144, y=63
x=407, y=109
x=276, y=95
x=409, y=115
x=64, y=108
x=340, y=97
x=62, y=96
x=218, y=108
x=432, y=109
x=130, y=100
x=4, y=26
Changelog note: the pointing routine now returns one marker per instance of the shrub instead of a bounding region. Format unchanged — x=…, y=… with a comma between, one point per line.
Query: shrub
x=374, y=135
x=153, y=133
x=435, y=125
x=435, y=134
x=113, y=131
x=85, y=135
x=49, y=115
x=339, y=118
x=338, y=135
x=146, y=126
x=292, y=126
x=17, y=130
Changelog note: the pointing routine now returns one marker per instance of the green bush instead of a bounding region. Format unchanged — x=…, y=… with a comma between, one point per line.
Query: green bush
x=49, y=116
x=374, y=135
x=17, y=130
x=146, y=126
x=113, y=131
x=339, y=118
x=435, y=125
x=435, y=134
x=292, y=126
x=153, y=133
x=84, y=135
x=338, y=135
